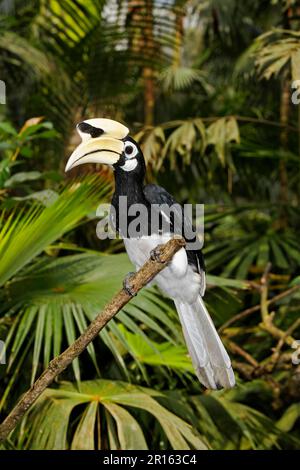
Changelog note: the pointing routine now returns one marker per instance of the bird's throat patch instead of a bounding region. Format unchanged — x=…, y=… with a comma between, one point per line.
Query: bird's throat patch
x=129, y=165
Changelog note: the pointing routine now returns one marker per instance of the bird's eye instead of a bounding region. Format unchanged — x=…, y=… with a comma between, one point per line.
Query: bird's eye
x=130, y=150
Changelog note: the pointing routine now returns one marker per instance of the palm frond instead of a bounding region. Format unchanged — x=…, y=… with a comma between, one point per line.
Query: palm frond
x=51, y=418
x=54, y=300
x=26, y=234
x=275, y=49
x=234, y=425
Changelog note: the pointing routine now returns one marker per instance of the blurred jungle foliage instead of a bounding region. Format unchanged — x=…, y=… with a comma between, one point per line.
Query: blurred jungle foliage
x=206, y=87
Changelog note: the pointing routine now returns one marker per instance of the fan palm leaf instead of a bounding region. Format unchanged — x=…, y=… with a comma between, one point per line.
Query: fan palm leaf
x=25, y=234
x=50, y=418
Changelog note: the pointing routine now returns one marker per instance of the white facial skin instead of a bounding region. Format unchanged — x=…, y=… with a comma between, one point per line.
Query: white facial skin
x=130, y=151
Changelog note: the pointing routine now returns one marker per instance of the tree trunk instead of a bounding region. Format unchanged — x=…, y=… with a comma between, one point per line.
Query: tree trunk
x=284, y=120
x=140, y=23
x=284, y=136
x=148, y=72
x=149, y=96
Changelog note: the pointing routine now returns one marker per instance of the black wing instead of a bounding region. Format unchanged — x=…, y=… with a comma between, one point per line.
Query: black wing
x=179, y=223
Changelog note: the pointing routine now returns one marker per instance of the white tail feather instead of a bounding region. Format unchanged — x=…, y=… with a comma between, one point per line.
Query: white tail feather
x=210, y=359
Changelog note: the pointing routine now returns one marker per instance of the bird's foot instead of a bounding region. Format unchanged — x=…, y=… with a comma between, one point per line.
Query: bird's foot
x=155, y=254
x=127, y=284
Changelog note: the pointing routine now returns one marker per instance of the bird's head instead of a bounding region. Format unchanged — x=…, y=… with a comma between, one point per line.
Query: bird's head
x=106, y=141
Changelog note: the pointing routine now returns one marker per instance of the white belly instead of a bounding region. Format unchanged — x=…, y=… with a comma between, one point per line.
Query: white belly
x=178, y=280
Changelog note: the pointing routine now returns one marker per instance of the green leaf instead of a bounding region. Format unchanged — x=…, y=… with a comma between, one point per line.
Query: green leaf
x=25, y=235
x=153, y=353
x=8, y=128
x=71, y=336
x=175, y=78
x=46, y=197
x=84, y=435
x=75, y=289
x=21, y=177
x=38, y=340
x=152, y=142
x=26, y=152
x=49, y=417
x=220, y=134
x=289, y=418
x=296, y=65
x=280, y=259
x=130, y=434
x=275, y=50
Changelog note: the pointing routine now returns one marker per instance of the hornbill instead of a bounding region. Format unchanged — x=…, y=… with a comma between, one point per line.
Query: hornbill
x=107, y=142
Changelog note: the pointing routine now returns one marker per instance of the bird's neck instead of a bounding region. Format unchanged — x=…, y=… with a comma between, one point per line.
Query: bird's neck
x=129, y=185
x=128, y=194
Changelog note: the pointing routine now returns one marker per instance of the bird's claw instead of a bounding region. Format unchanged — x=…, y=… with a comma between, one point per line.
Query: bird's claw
x=155, y=254
x=127, y=284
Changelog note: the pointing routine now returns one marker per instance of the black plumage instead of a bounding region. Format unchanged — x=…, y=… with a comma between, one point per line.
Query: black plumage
x=130, y=184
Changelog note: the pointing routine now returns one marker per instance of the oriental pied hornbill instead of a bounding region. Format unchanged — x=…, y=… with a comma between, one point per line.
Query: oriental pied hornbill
x=107, y=142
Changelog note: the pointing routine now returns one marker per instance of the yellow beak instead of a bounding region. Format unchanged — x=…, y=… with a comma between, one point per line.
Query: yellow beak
x=100, y=150
x=105, y=149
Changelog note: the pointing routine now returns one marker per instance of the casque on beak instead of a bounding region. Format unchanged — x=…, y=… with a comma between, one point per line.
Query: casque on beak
x=101, y=143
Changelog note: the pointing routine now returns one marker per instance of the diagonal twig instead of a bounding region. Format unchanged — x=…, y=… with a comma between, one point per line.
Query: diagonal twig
x=256, y=308
x=139, y=280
